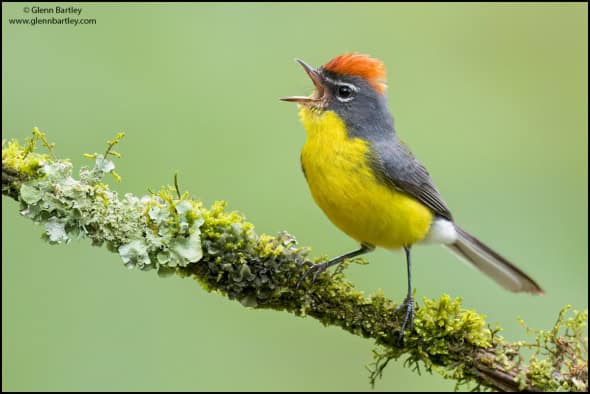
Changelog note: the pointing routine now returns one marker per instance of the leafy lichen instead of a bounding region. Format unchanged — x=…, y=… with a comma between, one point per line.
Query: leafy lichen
x=151, y=232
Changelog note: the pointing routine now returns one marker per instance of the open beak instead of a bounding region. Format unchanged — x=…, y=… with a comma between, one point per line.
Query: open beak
x=317, y=82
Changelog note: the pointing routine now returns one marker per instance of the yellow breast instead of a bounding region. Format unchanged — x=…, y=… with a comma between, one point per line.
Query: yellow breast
x=342, y=183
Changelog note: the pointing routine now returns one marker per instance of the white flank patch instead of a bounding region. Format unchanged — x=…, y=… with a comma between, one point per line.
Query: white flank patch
x=441, y=231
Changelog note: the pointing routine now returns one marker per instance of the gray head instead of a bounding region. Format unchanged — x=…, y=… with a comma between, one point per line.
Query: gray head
x=353, y=87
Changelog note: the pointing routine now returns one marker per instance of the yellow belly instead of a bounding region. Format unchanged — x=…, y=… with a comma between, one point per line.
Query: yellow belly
x=343, y=185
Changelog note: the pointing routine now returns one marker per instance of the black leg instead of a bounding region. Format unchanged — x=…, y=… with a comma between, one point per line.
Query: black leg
x=319, y=268
x=408, y=303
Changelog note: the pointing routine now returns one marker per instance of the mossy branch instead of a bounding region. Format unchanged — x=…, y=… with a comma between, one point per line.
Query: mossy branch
x=174, y=234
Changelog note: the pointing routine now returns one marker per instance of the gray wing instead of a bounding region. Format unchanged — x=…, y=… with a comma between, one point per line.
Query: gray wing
x=398, y=168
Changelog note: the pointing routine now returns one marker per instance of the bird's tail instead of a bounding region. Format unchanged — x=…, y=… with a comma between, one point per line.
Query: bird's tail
x=492, y=264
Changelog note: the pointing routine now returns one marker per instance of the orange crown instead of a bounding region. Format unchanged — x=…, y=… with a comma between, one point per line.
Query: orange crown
x=359, y=65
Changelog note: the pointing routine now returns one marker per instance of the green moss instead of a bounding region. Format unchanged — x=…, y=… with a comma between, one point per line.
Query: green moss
x=22, y=159
x=539, y=373
x=444, y=318
x=37, y=134
x=440, y=326
x=560, y=356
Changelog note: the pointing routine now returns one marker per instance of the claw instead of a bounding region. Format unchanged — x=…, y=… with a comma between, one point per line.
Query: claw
x=316, y=269
x=319, y=268
x=408, y=305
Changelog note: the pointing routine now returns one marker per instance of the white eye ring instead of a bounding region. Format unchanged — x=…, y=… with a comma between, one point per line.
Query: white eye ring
x=345, y=92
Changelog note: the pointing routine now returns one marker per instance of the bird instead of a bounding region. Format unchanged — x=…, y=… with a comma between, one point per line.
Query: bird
x=370, y=185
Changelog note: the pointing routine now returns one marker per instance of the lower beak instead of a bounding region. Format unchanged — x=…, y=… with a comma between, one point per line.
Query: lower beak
x=300, y=99
x=317, y=82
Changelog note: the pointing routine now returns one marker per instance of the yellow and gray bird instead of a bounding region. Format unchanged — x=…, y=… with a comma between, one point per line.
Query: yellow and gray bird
x=368, y=182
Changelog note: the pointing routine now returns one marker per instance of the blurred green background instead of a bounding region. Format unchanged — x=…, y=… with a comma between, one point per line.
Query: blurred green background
x=491, y=98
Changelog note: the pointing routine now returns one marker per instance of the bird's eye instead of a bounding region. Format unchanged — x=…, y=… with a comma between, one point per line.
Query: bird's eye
x=345, y=93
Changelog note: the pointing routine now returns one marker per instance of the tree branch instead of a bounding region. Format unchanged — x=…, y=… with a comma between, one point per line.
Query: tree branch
x=173, y=234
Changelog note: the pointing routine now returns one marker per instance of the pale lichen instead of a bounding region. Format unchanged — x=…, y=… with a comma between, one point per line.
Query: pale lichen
x=87, y=208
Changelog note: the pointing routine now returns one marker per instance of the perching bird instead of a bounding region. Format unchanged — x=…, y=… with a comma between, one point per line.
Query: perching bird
x=368, y=182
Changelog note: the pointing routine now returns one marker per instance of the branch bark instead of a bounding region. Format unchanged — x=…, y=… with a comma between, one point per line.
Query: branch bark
x=176, y=235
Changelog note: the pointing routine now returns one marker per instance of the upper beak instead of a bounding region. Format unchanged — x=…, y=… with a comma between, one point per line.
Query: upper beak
x=317, y=82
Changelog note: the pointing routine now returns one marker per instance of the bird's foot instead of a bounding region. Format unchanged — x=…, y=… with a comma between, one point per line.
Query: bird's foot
x=315, y=269
x=409, y=306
